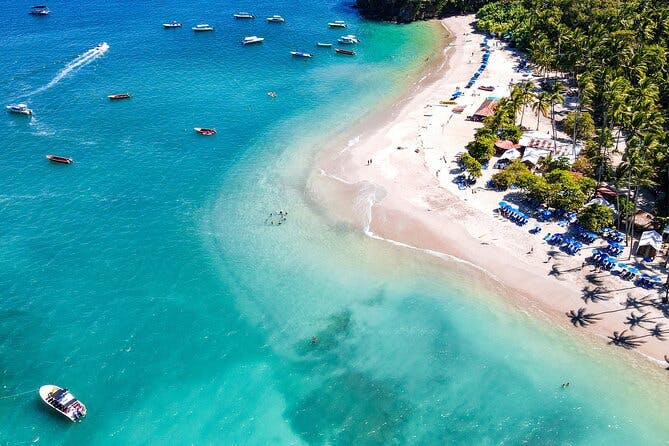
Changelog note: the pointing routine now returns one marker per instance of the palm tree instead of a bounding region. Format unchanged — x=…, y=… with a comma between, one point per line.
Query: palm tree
x=556, y=97
x=527, y=95
x=541, y=104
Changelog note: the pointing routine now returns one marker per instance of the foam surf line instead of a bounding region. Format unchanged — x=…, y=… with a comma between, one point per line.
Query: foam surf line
x=80, y=61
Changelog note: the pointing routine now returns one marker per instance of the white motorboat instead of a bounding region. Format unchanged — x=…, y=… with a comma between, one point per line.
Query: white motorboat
x=300, y=54
x=63, y=401
x=276, y=19
x=252, y=39
x=40, y=10
x=174, y=24
x=19, y=109
x=337, y=24
x=324, y=45
x=348, y=39
x=202, y=27
x=244, y=15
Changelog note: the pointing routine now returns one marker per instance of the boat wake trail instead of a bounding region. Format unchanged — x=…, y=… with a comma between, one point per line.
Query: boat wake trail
x=80, y=61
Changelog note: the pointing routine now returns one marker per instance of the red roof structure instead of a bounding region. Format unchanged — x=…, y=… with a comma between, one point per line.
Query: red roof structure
x=486, y=109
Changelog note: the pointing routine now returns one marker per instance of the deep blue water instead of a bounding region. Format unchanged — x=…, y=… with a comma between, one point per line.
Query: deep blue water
x=145, y=279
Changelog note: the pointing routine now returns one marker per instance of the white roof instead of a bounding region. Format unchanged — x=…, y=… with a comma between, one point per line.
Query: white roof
x=651, y=238
x=601, y=201
x=545, y=143
x=510, y=155
x=533, y=155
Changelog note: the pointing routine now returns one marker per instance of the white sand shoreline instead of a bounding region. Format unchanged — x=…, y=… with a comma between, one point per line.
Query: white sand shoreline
x=401, y=197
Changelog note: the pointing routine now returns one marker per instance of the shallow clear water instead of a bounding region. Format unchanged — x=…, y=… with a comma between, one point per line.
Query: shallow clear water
x=145, y=278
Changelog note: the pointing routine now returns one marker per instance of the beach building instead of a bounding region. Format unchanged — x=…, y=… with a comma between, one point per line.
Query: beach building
x=539, y=145
x=649, y=244
x=486, y=109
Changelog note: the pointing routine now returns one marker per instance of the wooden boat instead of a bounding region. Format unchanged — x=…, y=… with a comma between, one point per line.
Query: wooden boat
x=114, y=97
x=205, y=131
x=347, y=52
x=487, y=88
x=62, y=401
x=59, y=159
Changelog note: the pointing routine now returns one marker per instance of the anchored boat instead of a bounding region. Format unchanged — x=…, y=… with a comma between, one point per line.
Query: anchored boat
x=63, y=402
x=252, y=39
x=337, y=24
x=324, y=45
x=39, y=10
x=244, y=15
x=115, y=97
x=59, y=159
x=202, y=27
x=174, y=24
x=276, y=19
x=346, y=52
x=300, y=54
x=205, y=131
x=19, y=109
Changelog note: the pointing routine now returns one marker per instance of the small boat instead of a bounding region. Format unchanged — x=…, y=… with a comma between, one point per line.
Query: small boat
x=300, y=54
x=63, y=401
x=202, y=27
x=114, y=97
x=19, y=109
x=276, y=19
x=59, y=159
x=39, y=10
x=244, y=15
x=324, y=45
x=487, y=88
x=174, y=24
x=349, y=39
x=271, y=94
x=347, y=52
x=205, y=131
x=337, y=24
x=252, y=39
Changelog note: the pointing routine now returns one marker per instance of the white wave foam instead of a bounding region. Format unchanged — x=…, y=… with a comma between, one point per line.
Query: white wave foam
x=77, y=63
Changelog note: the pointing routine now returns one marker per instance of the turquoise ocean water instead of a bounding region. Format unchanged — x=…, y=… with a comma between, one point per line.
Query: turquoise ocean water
x=145, y=279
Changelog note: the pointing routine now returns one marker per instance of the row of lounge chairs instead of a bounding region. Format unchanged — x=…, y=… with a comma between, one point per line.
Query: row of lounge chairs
x=612, y=234
x=513, y=214
x=484, y=64
x=568, y=245
x=623, y=270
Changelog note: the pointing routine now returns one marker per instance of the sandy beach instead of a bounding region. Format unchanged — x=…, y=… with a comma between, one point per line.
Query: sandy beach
x=394, y=181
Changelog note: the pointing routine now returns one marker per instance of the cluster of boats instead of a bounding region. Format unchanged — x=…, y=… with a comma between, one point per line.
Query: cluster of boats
x=250, y=40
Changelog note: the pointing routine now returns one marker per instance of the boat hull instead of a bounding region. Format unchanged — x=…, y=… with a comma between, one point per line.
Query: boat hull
x=205, y=131
x=345, y=52
x=116, y=97
x=44, y=393
x=59, y=159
